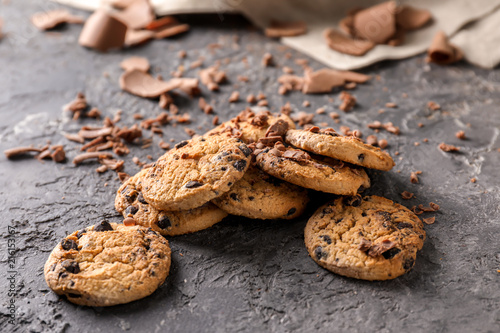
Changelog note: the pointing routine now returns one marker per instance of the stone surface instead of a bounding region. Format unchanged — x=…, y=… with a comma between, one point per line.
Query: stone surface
x=244, y=275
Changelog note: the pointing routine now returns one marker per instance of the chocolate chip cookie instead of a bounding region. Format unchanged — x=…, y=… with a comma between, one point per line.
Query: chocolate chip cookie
x=130, y=202
x=300, y=168
x=195, y=172
x=371, y=238
x=108, y=264
x=260, y=196
x=250, y=126
x=349, y=149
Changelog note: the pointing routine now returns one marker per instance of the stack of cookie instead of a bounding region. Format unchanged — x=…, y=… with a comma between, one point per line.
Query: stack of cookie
x=258, y=166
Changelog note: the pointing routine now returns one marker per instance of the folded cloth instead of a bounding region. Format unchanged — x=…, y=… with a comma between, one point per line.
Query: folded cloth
x=448, y=15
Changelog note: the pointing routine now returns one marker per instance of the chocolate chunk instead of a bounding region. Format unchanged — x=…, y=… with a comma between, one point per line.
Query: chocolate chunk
x=361, y=157
x=69, y=244
x=279, y=128
x=353, y=201
x=240, y=165
x=391, y=253
x=164, y=222
x=327, y=239
x=141, y=199
x=403, y=225
x=234, y=196
x=71, y=266
x=80, y=233
x=131, y=210
x=247, y=151
x=291, y=211
x=364, y=245
x=193, y=184
x=103, y=226
x=380, y=248
x=181, y=144
x=296, y=155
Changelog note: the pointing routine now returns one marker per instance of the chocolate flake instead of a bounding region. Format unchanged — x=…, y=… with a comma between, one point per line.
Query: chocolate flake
x=407, y=195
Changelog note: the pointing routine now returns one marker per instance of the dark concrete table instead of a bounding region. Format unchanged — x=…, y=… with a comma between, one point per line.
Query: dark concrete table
x=244, y=275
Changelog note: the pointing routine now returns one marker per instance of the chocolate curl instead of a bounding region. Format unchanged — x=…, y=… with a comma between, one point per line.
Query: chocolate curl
x=102, y=32
x=144, y=85
x=279, y=29
x=442, y=52
x=339, y=42
x=377, y=23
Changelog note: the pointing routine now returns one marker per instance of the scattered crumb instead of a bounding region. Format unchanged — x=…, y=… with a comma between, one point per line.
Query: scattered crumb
x=429, y=220
x=391, y=105
x=433, y=106
x=460, y=135
x=407, y=195
x=473, y=180
x=448, y=148
x=306, y=103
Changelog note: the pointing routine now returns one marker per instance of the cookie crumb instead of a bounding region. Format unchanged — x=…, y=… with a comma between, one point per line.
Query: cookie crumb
x=460, y=135
x=391, y=105
x=448, y=148
x=414, y=178
x=320, y=111
x=473, y=180
x=235, y=96
x=267, y=60
x=348, y=101
x=251, y=99
x=383, y=143
x=433, y=106
x=306, y=104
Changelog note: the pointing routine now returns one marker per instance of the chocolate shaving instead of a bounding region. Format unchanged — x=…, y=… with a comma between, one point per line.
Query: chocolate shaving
x=86, y=156
x=277, y=29
x=278, y=129
x=448, y=148
x=407, y=195
x=74, y=137
x=138, y=37
x=58, y=155
x=348, y=101
x=296, y=155
x=170, y=31
x=51, y=19
x=442, y=52
x=411, y=18
x=129, y=134
x=211, y=77
x=376, y=23
x=345, y=44
x=103, y=32
x=235, y=96
x=414, y=178
x=88, y=133
x=135, y=63
x=267, y=60
x=138, y=14
x=12, y=152
x=429, y=220
x=144, y=85
x=322, y=81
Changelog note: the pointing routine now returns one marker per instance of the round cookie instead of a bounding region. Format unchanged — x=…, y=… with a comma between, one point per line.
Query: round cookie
x=108, y=264
x=130, y=203
x=195, y=172
x=260, y=196
x=299, y=168
x=345, y=148
x=249, y=126
x=371, y=238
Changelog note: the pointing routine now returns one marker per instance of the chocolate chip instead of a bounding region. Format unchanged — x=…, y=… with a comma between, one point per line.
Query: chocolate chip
x=389, y=254
x=240, y=165
x=247, y=151
x=140, y=198
x=234, y=196
x=326, y=211
x=223, y=168
x=251, y=198
x=80, y=233
x=318, y=252
x=361, y=157
x=408, y=264
x=327, y=239
x=103, y=226
x=74, y=295
x=71, y=266
x=164, y=222
x=131, y=210
x=230, y=184
x=291, y=211
x=69, y=244
x=403, y=225
x=181, y=144
x=193, y=184
x=352, y=201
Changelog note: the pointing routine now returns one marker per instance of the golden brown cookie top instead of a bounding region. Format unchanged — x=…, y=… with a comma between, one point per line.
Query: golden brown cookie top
x=321, y=174
x=108, y=264
x=131, y=204
x=345, y=148
x=369, y=238
x=195, y=172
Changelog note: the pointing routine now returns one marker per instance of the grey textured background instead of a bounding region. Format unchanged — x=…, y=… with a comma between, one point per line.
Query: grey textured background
x=244, y=275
